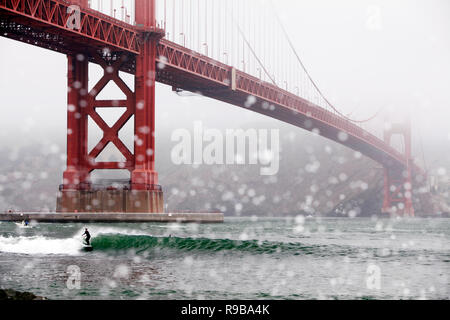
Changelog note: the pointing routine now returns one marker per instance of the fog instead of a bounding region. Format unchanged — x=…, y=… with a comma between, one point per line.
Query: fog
x=364, y=55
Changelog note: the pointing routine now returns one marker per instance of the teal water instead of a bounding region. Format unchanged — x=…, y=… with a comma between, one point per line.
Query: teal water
x=244, y=258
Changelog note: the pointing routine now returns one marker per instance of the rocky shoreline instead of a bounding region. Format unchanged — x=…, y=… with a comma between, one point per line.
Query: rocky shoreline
x=9, y=294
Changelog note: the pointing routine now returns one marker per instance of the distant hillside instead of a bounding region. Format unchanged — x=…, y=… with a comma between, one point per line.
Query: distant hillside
x=316, y=176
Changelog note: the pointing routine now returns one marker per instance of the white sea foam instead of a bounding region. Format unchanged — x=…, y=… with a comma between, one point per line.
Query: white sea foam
x=40, y=245
x=36, y=245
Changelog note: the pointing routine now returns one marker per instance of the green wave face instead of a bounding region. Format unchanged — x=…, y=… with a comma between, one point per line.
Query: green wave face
x=143, y=243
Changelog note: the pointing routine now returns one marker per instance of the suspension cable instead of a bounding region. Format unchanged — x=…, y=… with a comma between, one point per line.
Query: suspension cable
x=255, y=55
x=310, y=78
x=251, y=49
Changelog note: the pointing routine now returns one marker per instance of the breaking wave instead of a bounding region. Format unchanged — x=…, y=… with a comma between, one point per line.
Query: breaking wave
x=111, y=243
x=141, y=243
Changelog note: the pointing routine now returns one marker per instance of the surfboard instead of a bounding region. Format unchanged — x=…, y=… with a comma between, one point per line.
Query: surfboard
x=87, y=248
x=22, y=225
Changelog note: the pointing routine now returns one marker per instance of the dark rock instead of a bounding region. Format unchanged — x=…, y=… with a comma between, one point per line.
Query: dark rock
x=9, y=294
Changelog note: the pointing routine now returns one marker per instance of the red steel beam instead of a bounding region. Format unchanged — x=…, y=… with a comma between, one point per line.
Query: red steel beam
x=180, y=59
x=84, y=27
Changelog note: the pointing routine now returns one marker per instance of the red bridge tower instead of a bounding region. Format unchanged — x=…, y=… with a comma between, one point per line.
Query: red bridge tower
x=398, y=182
x=142, y=193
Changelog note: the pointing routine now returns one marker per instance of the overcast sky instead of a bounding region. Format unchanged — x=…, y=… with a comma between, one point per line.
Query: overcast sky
x=364, y=54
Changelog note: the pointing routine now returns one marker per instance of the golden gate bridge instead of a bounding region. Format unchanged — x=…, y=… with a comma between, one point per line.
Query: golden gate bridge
x=227, y=50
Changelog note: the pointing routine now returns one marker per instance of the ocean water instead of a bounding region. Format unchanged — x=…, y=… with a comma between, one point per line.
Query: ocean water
x=243, y=258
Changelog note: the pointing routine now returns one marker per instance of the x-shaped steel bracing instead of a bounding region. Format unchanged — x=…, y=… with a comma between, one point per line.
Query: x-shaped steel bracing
x=110, y=134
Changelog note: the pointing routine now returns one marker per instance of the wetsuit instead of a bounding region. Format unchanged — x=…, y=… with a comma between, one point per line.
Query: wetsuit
x=88, y=236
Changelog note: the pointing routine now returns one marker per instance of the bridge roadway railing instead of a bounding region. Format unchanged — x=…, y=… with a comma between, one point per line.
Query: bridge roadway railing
x=95, y=28
x=274, y=94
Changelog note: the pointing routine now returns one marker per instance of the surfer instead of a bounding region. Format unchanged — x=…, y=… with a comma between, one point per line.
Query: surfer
x=87, y=236
x=24, y=224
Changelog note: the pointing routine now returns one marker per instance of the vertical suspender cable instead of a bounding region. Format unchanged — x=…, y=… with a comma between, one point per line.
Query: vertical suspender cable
x=219, y=37
x=213, y=29
x=206, y=27
x=182, y=24
x=232, y=35
x=173, y=20
x=191, y=22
